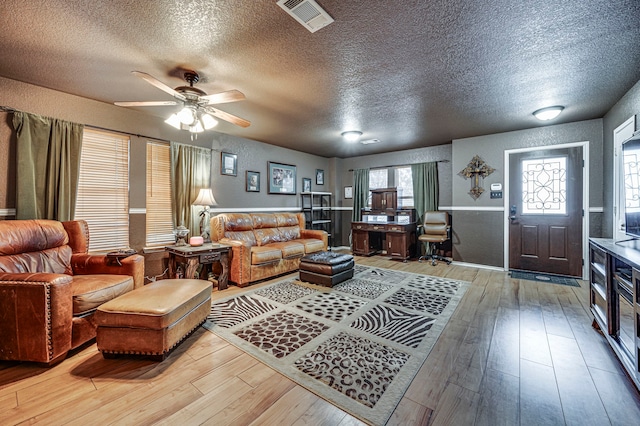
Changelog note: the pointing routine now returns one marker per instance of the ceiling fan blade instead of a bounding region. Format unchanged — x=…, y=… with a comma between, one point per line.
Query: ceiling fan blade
x=228, y=117
x=146, y=103
x=160, y=85
x=224, y=97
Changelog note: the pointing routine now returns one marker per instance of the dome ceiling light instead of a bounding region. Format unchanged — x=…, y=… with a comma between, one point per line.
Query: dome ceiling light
x=548, y=113
x=352, y=135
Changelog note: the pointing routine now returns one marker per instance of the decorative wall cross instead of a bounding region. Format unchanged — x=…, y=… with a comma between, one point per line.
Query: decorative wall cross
x=476, y=169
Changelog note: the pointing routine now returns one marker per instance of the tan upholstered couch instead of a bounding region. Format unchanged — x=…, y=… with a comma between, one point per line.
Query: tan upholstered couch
x=50, y=287
x=265, y=244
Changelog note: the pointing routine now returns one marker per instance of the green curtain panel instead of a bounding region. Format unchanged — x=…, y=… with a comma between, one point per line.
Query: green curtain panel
x=360, y=192
x=425, y=188
x=48, y=159
x=190, y=171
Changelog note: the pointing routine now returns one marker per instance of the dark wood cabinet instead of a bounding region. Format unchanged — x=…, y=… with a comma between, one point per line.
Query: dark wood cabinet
x=384, y=228
x=401, y=242
x=384, y=199
x=360, y=242
x=614, y=291
x=397, y=240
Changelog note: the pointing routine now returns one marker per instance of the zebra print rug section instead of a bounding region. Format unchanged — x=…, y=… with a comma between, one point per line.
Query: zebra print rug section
x=357, y=345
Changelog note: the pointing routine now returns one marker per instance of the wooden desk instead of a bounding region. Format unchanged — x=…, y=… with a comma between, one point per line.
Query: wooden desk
x=192, y=257
x=399, y=239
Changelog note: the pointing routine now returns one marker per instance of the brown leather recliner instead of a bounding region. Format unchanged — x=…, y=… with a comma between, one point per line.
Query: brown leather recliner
x=50, y=287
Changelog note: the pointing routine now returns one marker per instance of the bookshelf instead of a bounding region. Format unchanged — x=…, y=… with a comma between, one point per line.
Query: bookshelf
x=318, y=213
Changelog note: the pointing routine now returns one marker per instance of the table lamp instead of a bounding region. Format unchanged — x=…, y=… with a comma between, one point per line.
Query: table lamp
x=205, y=198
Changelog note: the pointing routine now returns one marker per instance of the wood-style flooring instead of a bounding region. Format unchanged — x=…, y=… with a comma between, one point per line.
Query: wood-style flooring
x=514, y=352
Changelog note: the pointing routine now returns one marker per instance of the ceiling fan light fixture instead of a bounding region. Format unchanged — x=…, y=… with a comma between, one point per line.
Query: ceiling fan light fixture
x=352, y=135
x=174, y=121
x=548, y=113
x=196, y=127
x=208, y=122
x=194, y=101
x=188, y=115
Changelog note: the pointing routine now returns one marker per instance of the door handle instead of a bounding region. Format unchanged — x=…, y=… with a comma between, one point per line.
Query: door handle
x=512, y=211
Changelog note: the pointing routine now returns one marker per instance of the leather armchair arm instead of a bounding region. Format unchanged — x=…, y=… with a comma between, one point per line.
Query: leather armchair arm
x=240, y=262
x=36, y=311
x=85, y=264
x=318, y=234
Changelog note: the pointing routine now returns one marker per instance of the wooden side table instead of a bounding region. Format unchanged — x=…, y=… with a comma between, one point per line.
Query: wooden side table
x=193, y=257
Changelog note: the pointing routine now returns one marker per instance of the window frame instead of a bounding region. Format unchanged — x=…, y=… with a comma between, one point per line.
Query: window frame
x=404, y=200
x=103, y=189
x=159, y=214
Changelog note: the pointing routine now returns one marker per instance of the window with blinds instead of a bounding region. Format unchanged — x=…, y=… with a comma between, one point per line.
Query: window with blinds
x=103, y=190
x=404, y=183
x=159, y=222
x=378, y=178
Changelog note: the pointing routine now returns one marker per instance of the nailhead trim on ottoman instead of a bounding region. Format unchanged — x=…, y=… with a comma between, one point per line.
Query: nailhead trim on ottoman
x=152, y=320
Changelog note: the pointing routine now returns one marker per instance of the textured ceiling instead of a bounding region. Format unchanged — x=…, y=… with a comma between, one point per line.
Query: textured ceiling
x=410, y=73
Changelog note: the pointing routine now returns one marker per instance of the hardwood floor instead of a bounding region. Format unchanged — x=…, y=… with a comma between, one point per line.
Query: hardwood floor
x=514, y=352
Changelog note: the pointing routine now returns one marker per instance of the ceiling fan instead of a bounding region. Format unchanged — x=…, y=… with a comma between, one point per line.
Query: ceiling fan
x=197, y=113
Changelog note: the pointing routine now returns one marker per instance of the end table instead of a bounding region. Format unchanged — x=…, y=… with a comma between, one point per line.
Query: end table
x=193, y=257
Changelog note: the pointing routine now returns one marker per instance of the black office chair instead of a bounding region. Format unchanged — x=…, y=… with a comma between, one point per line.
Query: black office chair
x=435, y=231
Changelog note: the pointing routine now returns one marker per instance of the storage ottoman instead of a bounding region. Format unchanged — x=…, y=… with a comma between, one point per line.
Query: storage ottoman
x=153, y=319
x=326, y=268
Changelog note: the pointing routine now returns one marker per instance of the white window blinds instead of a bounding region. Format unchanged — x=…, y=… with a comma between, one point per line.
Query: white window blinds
x=159, y=222
x=404, y=183
x=378, y=178
x=103, y=190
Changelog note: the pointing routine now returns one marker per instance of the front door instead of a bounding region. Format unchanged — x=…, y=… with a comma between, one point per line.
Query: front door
x=545, y=211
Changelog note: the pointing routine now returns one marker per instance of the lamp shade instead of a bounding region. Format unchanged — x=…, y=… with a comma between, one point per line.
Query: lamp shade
x=208, y=121
x=188, y=115
x=174, y=121
x=205, y=198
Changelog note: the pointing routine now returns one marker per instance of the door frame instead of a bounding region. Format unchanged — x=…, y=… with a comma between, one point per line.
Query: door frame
x=620, y=134
x=585, y=197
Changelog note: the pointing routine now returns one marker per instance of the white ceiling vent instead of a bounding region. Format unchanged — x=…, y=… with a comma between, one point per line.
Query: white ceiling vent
x=307, y=12
x=369, y=141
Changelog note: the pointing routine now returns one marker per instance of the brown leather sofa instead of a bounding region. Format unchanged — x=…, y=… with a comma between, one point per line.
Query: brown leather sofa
x=265, y=244
x=50, y=287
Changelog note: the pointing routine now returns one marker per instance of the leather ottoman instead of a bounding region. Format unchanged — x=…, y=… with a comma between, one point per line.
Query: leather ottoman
x=152, y=320
x=326, y=268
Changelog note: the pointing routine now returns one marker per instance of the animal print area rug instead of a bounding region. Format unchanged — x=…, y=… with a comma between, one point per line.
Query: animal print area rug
x=357, y=345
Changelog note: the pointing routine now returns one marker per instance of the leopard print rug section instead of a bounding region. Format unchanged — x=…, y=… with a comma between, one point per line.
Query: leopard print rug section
x=358, y=344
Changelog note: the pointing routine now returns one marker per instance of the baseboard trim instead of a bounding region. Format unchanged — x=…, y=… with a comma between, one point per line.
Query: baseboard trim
x=479, y=266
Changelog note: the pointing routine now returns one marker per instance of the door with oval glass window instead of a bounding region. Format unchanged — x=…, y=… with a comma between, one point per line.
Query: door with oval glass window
x=545, y=211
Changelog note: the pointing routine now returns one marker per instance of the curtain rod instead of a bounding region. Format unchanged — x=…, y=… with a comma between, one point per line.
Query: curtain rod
x=11, y=110
x=126, y=133
x=398, y=165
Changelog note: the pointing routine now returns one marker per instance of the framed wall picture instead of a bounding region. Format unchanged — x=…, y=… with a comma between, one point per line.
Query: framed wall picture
x=348, y=192
x=253, y=181
x=282, y=178
x=306, y=184
x=319, y=177
x=229, y=164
